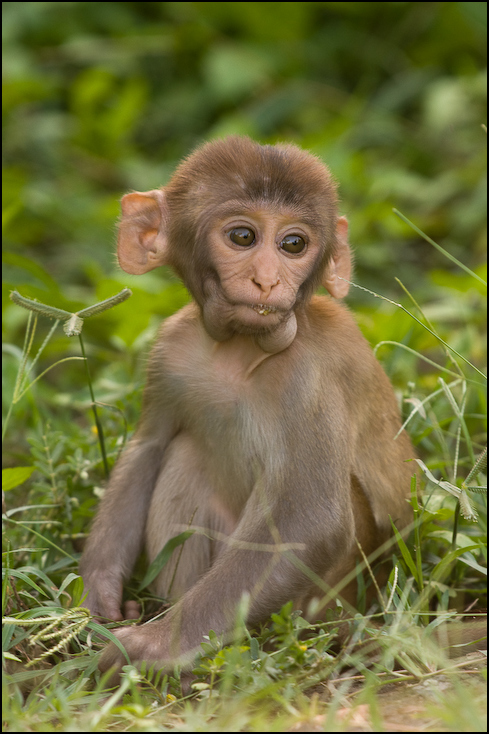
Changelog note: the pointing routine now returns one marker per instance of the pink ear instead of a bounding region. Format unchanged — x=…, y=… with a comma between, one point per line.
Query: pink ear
x=340, y=264
x=142, y=243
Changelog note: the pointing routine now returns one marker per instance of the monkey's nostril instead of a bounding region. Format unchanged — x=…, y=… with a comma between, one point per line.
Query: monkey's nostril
x=266, y=288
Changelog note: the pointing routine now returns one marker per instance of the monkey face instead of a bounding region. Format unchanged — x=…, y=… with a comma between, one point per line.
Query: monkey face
x=260, y=259
x=251, y=230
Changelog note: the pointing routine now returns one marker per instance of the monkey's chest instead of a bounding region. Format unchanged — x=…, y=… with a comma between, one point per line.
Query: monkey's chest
x=218, y=381
x=218, y=421
x=210, y=403
x=217, y=398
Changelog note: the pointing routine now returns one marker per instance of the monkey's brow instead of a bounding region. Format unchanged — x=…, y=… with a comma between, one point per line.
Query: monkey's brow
x=236, y=208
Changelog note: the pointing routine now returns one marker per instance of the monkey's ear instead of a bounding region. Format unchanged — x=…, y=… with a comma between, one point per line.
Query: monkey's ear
x=340, y=264
x=142, y=243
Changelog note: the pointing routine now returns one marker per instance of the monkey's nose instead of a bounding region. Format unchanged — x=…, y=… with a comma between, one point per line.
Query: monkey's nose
x=265, y=285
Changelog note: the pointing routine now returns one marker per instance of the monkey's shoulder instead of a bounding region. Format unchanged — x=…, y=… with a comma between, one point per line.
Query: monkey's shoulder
x=330, y=320
x=334, y=335
x=177, y=339
x=182, y=325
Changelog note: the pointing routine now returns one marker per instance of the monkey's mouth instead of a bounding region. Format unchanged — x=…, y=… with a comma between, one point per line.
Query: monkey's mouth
x=263, y=309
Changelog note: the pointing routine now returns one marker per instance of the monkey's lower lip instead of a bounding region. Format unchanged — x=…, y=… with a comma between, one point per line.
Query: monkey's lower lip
x=263, y=309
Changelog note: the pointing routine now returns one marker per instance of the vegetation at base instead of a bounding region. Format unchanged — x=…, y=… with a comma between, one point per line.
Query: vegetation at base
x=102, y=98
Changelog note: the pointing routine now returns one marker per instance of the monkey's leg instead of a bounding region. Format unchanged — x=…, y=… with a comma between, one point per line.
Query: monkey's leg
x=183, y=497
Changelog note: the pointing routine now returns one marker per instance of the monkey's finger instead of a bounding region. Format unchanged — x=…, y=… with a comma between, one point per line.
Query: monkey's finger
x=132, y=610
x=108, y=613
x=104, y=609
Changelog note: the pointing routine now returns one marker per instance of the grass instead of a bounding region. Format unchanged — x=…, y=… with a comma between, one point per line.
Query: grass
x=288, y=675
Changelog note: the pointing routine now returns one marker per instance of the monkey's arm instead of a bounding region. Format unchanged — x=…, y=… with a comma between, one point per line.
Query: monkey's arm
x=117, y=535
x=118, y=532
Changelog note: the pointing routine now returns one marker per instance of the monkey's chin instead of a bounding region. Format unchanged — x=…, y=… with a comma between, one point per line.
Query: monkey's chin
x=272, y=330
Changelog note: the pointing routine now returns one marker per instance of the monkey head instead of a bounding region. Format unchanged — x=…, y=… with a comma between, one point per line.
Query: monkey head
x=251, y=229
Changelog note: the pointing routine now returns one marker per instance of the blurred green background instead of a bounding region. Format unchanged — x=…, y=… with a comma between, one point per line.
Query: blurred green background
x=101, y=98
x=104, y=97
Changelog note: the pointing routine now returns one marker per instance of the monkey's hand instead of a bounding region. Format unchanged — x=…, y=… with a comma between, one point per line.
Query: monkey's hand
x=104, y=595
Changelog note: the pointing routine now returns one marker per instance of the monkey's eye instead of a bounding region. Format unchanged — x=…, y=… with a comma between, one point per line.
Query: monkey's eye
x=242, y=236
x=292, y=244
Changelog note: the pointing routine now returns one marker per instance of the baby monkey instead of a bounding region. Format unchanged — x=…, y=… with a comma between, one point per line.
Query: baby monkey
x=267, y=422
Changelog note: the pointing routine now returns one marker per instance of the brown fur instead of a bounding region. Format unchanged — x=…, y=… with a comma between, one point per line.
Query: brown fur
x=272, y=432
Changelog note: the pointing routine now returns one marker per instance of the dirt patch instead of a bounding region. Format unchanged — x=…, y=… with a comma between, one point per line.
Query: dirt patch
x=454, y=699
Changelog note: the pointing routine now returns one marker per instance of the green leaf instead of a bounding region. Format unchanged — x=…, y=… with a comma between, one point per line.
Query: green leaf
x=163, y=557
x=405, y=553
x=11, y=478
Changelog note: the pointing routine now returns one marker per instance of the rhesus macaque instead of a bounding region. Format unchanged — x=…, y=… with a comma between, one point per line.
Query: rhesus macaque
x=267, y=421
